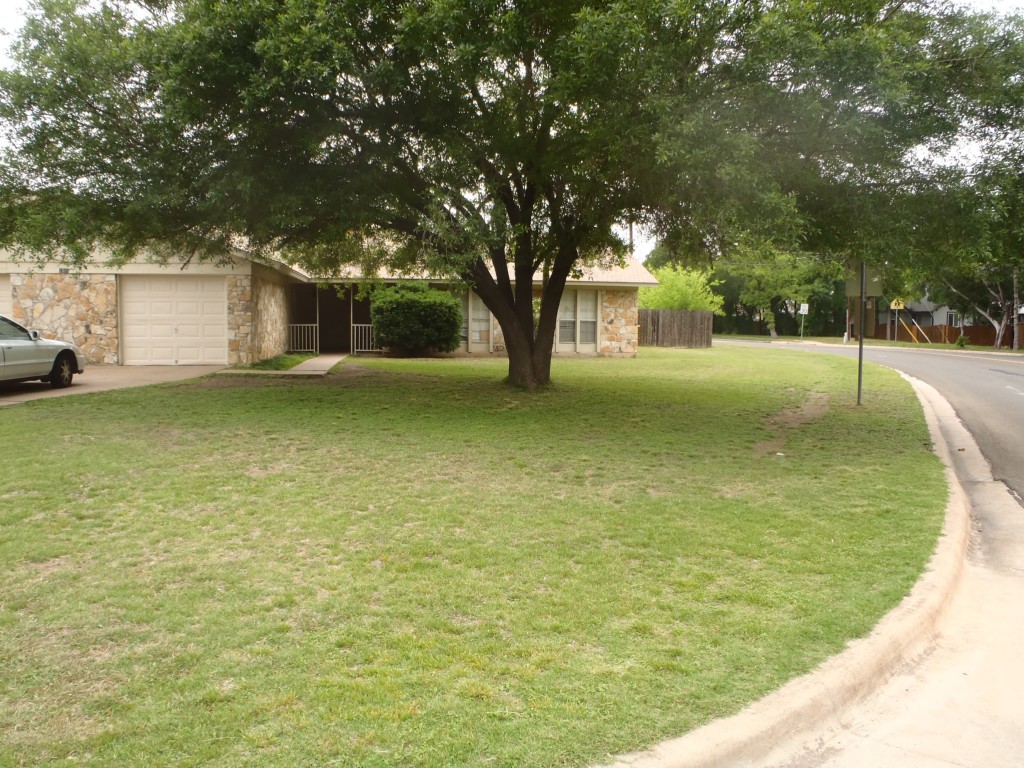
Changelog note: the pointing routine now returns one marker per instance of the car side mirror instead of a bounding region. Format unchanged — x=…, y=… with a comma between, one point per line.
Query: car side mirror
x=34, y=335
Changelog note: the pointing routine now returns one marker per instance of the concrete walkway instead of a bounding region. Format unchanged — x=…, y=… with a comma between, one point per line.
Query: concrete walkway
x=101, y=378
x=938, y=683
x=314, y=366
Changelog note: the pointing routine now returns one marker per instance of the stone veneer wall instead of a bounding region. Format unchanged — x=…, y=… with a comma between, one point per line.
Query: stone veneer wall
x=241, y=325
x=270, y=301
x=81, y=309
x=619, y=331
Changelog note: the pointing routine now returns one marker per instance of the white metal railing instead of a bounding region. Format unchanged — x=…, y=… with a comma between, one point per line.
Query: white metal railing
x=362, y=339
x=303, y=337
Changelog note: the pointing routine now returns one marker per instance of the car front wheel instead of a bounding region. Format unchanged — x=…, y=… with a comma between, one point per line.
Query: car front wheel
x=62, y=373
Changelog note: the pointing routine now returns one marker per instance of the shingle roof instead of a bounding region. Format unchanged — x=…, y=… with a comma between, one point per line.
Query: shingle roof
x=631, y=273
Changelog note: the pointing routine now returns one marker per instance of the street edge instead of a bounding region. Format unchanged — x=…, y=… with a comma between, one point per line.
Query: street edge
x=816, y=701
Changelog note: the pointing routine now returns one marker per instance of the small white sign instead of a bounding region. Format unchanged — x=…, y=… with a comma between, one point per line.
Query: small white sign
x=804, y=308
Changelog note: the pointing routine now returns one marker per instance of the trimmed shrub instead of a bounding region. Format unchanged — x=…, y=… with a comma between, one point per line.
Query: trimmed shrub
x=415, y=319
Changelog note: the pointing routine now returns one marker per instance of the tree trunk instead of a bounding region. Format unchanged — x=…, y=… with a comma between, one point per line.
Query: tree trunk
x=529, y=349
x=523, y=368
x=998, y=324
x=1016, y=308
x=1004, y=321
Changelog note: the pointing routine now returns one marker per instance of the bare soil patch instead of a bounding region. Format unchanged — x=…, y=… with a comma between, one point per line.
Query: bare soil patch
x=784, y=422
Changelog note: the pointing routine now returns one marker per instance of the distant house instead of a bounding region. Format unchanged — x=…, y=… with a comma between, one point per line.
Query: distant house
x=920, y=319
x=242, y=310
x=923, y=321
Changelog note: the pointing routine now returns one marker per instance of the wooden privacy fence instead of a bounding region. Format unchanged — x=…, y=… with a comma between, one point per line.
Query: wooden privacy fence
x=981, y=335
x=675, y=328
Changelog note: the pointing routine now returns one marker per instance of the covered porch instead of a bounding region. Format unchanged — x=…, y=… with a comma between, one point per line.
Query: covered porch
x=329, y=319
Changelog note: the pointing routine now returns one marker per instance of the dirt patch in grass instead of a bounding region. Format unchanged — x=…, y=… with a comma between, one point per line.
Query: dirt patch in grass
x=784, y=422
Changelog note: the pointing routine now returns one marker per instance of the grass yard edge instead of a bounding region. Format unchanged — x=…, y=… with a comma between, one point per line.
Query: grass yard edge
x=816, y=701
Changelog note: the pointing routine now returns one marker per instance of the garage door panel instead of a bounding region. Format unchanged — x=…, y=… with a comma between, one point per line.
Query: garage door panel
x=174, y=320
x=190, y=353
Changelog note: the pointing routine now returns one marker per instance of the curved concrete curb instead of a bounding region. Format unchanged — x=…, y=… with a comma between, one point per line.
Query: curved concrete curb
x=810, y=704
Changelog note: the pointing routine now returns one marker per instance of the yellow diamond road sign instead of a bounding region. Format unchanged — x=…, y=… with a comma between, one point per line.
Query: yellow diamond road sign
x=897, y=304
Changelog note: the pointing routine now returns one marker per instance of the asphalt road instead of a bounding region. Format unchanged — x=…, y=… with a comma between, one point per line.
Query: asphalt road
x=985, y=388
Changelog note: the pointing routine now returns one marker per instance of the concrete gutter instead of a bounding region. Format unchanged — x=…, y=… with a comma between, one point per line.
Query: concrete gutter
x=817, y=700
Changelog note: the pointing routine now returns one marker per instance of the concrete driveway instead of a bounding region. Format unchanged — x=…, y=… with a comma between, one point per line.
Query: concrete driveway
x=98, y=378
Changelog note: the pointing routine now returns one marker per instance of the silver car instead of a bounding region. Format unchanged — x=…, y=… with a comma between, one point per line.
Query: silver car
x=26, y=356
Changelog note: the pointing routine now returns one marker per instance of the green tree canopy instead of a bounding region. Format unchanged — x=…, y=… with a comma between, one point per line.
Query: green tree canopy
x=485, y=140
x=963, y=242
x=681, y=288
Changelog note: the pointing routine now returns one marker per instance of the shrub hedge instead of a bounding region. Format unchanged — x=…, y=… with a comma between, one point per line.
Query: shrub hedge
x=415, y=319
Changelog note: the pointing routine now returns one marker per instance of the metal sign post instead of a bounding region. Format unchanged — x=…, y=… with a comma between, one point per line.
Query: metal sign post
x=896, y=305
x=860, y=336
x=803, y=313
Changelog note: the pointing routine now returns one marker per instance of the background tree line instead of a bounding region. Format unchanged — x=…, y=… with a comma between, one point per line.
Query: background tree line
x=489, y=141
x=945, y=221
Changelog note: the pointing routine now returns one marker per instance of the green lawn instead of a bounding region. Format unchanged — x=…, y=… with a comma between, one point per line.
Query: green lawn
x=409, y=564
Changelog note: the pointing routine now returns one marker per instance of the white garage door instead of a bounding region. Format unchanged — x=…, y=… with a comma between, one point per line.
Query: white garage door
x=5, y=295
x=174, y=320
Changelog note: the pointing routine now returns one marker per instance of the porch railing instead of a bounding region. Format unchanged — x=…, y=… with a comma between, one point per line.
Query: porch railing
x=362, y=339
x=303, y=337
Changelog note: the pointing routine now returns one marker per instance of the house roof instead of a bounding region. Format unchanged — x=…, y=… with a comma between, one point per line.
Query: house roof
x=631, y=273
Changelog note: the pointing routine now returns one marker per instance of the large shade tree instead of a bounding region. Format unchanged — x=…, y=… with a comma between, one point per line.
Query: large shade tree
x=954, y=228
x=962, y=242
x=485, y=140
x=896, y=193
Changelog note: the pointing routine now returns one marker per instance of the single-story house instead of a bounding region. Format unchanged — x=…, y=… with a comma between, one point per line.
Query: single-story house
x=242, y=310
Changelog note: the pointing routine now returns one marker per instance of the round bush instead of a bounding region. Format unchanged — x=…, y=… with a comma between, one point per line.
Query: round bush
x=415, y=319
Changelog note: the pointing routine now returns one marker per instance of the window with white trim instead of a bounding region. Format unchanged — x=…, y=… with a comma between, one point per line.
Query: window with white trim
x=577, y=320
x=480, y=323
